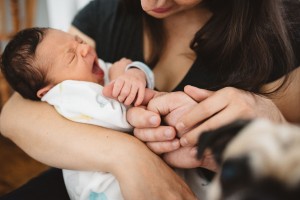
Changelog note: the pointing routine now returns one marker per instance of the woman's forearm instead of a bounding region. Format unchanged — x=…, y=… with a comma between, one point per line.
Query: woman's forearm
x=58, y=142
x=46, y=136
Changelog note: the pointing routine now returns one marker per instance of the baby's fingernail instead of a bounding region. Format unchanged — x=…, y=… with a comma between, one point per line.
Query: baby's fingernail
x=169, y=133
x=180, y=126
x=154, y=120
x=183, y=141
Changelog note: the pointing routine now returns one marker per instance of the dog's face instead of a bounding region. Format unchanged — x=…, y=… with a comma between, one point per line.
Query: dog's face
x=258, y=160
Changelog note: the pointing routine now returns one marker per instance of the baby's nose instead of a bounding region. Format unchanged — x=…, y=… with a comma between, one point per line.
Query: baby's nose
x=84, y=49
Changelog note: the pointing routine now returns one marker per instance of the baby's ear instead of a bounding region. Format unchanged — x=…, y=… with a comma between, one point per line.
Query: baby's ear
x=41, y=92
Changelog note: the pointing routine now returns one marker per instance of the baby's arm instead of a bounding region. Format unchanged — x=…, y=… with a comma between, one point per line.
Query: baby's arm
x=118, y=68
x=129, y=80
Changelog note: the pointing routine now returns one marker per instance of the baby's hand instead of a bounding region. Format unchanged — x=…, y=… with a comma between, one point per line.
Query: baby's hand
x=130, y=87
x=118, y=68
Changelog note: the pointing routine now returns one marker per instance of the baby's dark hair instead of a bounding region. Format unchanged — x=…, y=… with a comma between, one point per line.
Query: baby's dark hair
x=19, y=65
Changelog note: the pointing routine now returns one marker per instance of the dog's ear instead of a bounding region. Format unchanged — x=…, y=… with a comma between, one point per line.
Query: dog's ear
x=217, y=140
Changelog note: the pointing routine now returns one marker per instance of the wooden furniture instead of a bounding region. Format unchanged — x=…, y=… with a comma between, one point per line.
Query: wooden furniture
x=14, y=16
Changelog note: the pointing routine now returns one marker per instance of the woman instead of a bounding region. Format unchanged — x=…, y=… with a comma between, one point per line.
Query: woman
x=224, y=47
x=243, y=58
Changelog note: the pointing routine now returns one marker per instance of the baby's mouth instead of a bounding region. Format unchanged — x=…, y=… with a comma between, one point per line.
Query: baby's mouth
x=98, y=72
x=96, y=69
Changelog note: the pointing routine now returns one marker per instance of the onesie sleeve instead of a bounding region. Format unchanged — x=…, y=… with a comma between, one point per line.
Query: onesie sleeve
x=83, y=102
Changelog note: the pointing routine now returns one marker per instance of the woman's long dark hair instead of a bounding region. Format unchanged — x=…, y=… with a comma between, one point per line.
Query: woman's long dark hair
x=245, y=43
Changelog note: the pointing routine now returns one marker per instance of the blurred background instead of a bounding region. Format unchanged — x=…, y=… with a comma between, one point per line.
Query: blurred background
x=16, y=167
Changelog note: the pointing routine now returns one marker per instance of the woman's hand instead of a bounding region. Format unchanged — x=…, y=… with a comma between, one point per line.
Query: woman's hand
x=214, y=109
x=162, y=139
x=220, y=108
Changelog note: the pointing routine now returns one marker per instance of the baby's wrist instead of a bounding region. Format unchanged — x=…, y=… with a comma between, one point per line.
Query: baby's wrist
x=145, y=69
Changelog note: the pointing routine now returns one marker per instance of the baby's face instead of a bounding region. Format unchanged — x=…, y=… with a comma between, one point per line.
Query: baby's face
x=66, y=57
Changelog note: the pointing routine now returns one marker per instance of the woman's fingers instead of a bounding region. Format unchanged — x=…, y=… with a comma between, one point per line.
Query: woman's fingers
x=201, y=112
x=184, y=157
x=139, y=117
x=222, y=118
x=163, y=147
x=161, y=134
x=149, y=95
x=172, y=106
x=196, y=93
x=160, y=140
x=166, y=103
x=208, y=161
x=226, y=105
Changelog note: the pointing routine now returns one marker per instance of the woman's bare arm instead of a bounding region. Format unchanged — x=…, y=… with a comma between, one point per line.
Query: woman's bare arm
x=53, y=140
x=46, y=136
x=288, y=99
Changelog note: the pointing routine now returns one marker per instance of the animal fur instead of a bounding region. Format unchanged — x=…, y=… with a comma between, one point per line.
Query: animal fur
x=258, y=160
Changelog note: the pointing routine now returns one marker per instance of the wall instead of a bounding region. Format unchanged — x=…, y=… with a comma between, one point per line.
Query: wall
x=61, y=12
x=49, y=13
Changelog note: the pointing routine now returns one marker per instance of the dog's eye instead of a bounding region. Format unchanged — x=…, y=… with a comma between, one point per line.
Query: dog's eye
x=235, y=174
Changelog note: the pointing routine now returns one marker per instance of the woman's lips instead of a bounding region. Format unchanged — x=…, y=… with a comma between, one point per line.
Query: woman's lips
x=161, y=10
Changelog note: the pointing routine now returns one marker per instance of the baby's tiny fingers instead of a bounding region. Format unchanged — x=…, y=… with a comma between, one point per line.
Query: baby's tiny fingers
x=140, y=96
x=130, y=98
x=124, y=92
x=119, y=83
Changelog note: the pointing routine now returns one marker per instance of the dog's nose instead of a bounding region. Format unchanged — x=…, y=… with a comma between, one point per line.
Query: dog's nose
x=235, y=174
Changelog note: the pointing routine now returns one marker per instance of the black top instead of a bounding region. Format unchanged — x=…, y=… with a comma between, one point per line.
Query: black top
x=118, y=34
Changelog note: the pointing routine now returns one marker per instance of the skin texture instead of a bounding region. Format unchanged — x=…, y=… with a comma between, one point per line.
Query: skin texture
x=45, y=140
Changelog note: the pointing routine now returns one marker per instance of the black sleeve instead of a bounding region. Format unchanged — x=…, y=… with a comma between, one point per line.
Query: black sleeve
x=296, y=42
x=117, y=32
x=93, y=16
x=293, y=17
x=47, y=186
